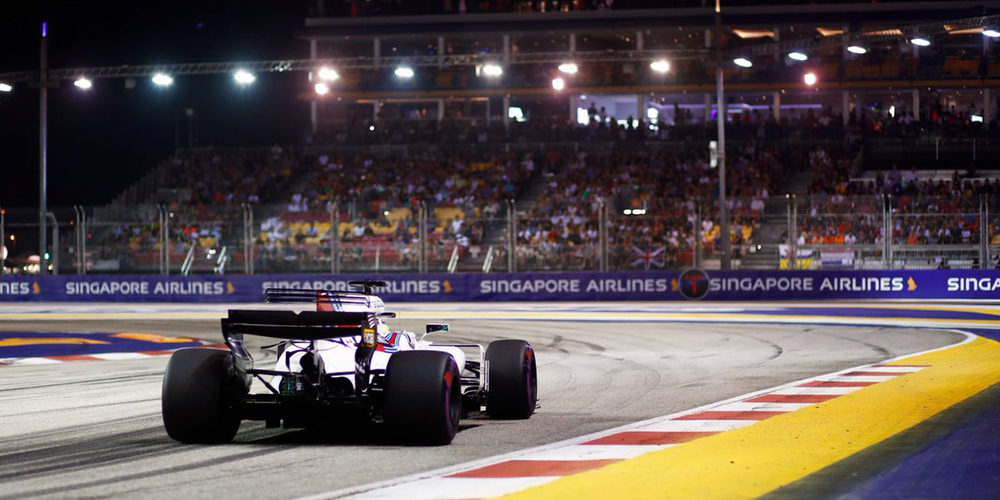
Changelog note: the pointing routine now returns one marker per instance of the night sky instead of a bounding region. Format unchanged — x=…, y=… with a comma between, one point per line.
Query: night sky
x=101, y=140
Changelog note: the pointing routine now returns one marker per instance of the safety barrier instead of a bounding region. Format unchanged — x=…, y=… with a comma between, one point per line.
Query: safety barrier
x=473, y=287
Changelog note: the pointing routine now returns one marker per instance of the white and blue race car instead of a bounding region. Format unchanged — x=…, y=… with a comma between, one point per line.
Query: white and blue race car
x=342, y=361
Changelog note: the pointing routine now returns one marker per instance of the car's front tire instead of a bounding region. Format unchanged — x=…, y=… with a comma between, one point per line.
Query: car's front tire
x=513, y=381
x=423, y=397
x=198, y=396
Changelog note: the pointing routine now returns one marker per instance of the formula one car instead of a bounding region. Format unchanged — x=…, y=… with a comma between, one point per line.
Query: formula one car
x=339, y=362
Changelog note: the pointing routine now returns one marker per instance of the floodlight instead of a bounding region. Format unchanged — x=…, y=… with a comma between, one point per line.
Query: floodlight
x=83, y=83
x=328, y=74
x=742, y=62
x=920, y=41
x=162, y=80
x=568, y=68
x=244, y=77
x=660, y=65
x=6, y=87
x=404, y=72
x=991, y=32
x=492, y=70
x=558, y=83
x=857, y=49
x=798, y=56
x=809, y=78
x=322, y=88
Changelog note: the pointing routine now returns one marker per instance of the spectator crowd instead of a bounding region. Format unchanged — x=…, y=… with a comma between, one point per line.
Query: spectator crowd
x=655, y=192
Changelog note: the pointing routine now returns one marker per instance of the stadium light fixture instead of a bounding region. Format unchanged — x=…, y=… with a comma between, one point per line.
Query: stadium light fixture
x=244, y=77
x=404, y=72
x=660, y=65
x=742, y=62
x=322, y=88
x=83, y=83
x=493, y=70
x=857, y=49
x=991, y=32
x=328, y=74
x=568, y=68
x=920, y=41
x=163, y=80
x=798, y=56
x=6, y=87
x=558, y=83
x=809, y=78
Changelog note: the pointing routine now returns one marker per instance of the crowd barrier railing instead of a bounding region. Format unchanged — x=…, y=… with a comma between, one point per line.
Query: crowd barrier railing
x=374, y=236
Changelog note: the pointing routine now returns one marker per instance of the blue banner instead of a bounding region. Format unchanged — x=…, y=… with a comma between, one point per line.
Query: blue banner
x=475, y=287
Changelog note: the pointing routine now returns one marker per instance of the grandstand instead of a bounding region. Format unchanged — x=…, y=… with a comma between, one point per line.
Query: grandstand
x=884, y=161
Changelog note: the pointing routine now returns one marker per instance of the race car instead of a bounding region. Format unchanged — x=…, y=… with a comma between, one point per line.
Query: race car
x=342, y=361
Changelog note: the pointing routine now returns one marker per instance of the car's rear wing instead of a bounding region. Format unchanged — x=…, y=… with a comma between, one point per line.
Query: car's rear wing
x=305, y=325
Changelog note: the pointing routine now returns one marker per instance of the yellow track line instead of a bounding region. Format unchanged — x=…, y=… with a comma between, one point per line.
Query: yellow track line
x=751, y=461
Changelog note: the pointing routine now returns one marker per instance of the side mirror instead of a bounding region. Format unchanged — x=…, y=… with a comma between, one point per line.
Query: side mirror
x=437, y=327
x=387, y=315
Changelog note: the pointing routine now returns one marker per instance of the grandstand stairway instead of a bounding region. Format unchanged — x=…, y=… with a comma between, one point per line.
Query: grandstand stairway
x=773, y=227
x=495, y=232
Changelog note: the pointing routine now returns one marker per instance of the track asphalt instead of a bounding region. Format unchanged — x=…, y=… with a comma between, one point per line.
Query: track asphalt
x=919, y=425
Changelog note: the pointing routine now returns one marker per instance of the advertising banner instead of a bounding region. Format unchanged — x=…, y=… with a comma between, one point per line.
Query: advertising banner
x=691, y=284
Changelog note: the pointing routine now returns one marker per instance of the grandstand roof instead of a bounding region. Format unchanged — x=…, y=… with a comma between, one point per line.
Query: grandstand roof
x=772, y=14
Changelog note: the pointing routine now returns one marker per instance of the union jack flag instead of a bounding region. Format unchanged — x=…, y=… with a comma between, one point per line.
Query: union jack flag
x=650, y=257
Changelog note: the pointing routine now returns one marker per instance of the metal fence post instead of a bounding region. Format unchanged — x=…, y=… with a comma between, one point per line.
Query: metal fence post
x=984, y=253
x=164, y=239
x=334, y=209
x=76, y=236
x=55, y=242
x=986, y=222
x=788, y=230
x=247, y=237
x=697, y=236
x=794, y=234
x=83, y=221
x=253, y=251
x=512, y=236
x=422, y=238
x=607, y=239
x=600, y=235
x=159, y=220
x=887, y=237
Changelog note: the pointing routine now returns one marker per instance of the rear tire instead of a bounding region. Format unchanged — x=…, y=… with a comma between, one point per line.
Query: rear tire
x=199, y=392
x=423, y=397
x=513, y=382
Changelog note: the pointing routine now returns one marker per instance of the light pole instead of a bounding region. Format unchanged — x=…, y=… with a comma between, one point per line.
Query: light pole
x=720, y=116
x=43, y=133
